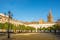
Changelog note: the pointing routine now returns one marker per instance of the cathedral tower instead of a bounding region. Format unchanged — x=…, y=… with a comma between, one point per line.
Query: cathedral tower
x=50, y=18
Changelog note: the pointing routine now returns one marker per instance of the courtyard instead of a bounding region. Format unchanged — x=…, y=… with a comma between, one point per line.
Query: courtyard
x=31, y=36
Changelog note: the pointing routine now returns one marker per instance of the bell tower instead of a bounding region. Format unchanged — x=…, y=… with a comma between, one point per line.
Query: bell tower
x=50, y=17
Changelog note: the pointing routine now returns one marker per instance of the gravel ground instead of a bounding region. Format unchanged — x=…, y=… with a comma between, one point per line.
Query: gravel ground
x=31, y=36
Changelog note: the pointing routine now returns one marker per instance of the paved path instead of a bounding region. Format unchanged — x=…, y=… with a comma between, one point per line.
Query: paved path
x=31, y=36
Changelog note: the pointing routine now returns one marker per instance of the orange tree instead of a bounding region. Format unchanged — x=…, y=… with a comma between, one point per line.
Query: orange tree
x=1, y=25
x=56, y=27
x=21, y=28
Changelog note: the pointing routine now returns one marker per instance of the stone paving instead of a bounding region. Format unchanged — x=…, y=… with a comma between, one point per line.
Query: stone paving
x=31, y=36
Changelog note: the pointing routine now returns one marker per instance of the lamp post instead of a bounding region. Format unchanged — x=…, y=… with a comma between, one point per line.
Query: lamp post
x=9, y=17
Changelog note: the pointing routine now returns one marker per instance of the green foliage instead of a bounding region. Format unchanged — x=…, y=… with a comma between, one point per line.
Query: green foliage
x=30, y=28
x=23, y=27
x=1, y=25
x=43, y=28
x=56, y=27
x=13, y=27
x=6, y=25
x=39, y=28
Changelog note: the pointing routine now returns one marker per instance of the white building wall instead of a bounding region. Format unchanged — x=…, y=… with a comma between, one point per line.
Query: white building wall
x=40, y=25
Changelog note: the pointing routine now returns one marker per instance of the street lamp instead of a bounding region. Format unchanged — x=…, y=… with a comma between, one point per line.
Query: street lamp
x=9, y=17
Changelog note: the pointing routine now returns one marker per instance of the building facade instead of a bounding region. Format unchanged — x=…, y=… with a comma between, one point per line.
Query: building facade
x=40, y=23
x=4, y=19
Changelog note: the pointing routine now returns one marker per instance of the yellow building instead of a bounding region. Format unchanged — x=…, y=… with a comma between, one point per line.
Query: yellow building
x=41, y=21
x=4, y=19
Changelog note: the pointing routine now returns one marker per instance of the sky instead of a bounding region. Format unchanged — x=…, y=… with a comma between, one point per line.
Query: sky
x=31, y=10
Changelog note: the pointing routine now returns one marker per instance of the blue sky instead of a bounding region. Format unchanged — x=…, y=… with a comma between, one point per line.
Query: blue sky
x=31, y=10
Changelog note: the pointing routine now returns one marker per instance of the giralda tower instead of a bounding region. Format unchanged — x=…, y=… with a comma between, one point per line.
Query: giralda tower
x=50, y=17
